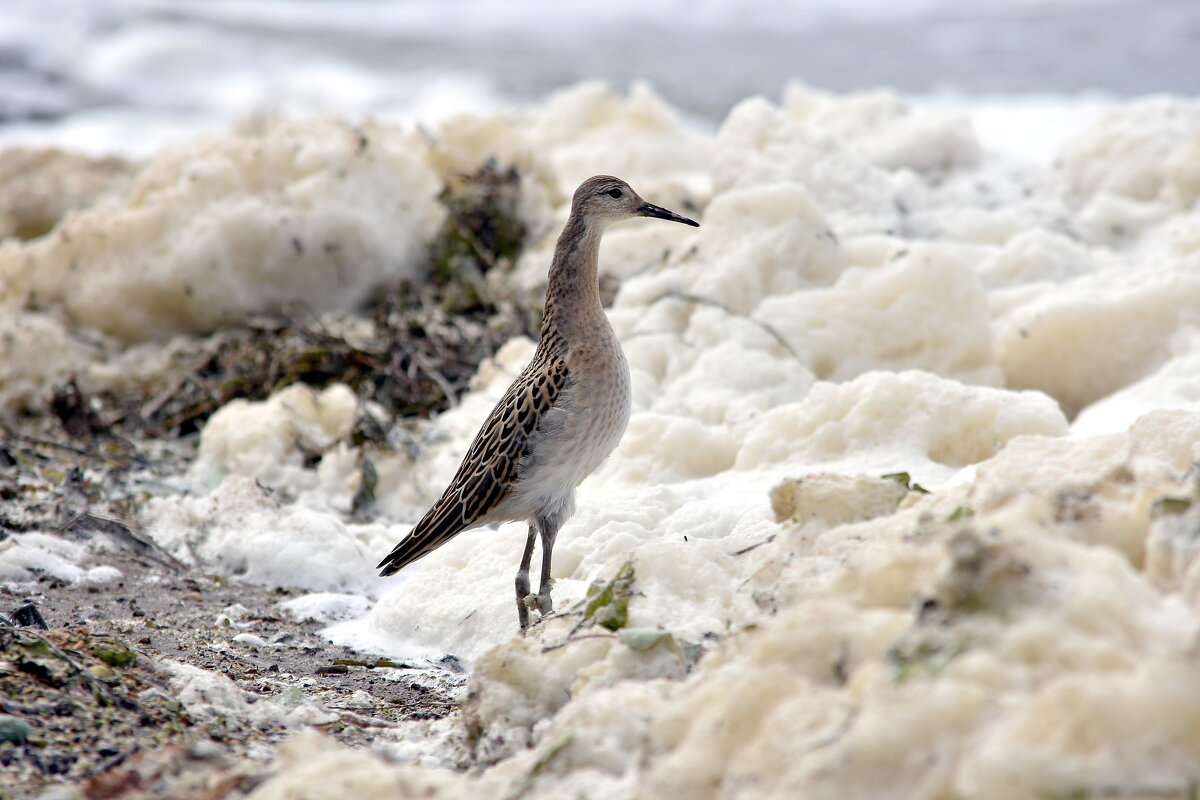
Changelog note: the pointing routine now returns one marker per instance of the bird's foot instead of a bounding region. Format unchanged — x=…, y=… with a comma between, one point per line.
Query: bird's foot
x=544, y=602
x=523, y=613
x=539, y=602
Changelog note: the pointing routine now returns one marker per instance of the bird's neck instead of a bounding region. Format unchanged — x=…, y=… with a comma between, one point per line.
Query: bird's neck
x=573, y=306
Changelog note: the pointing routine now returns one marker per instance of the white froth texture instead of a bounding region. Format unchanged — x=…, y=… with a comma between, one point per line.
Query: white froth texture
x=1091, y=336
x=268, y=441
x=763, y=241
x=26, y=557
x=914, y=414
x=211, y=696
x=874, y=306
x=241, y=528
x=1145, y=150
x=37, y=353
x=1011, y=649
x=925, y=310
x=319, y=214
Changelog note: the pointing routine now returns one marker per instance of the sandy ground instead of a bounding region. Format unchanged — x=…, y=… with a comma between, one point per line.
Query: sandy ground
x=141, y=742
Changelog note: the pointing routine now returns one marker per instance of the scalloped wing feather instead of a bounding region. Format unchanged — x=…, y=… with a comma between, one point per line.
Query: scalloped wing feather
x=488, y=472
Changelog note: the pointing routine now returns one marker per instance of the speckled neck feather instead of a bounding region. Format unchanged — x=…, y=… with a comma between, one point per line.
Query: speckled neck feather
x=573, y=291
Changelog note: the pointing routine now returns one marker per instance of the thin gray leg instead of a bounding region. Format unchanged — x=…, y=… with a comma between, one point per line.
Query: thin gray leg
x=544, y=603
x=523, y=579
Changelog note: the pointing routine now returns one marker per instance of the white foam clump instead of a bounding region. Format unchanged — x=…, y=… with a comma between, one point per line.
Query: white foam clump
x=251, y=639
x=865, y=320
x=1088, y=338
x=268, y=442
x=1145, y=150
x=577, y=128
x=240, y=529
x=316, y=213
x=310, y=759
x=325, y=606
x=1175, y=385
x=911, y=417
x=37, y=353
x=24, y=557
x=210, y=696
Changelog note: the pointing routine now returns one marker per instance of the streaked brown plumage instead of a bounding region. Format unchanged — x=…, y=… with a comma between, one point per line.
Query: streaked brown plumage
x=561, y=417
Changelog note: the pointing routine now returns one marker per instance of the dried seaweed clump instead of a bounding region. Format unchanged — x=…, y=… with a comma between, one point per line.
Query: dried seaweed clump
x=414, y=352
x=412, y=358
x=483, y=231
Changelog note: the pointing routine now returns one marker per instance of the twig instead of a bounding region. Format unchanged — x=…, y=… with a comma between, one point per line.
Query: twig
x=140, y=540
x=359, y=721
x=24, y=437
x=750, y=547
x=437, y=377
x=679, y=294
x=113, y=761
x=18, y=710
x=207, y=354
x=578, y=639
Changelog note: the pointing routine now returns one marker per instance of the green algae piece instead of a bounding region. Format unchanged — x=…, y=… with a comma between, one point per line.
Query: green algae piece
x=960, y=513
x=1170, y=505
x=14, y=730
x=608, y=603
x=550, y=753
x=925, y=655
x=115, y=655
x=905, y=480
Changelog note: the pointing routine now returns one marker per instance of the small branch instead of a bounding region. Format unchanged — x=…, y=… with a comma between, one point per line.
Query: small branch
x=126, y=531
x=437, y=377
x=679, y=294
x=754, y=546
x=578, y=639
x=359, y=721
x=34, y=440
x=833, y=736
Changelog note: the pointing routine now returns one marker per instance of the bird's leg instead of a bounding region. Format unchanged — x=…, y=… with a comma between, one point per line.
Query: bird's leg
x=523, y=580
x=544, y=603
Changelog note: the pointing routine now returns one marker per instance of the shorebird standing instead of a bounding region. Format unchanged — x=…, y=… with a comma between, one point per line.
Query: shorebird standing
x=561, y=417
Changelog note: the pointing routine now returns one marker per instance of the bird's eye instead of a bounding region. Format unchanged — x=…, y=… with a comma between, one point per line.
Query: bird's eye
x=614, y=193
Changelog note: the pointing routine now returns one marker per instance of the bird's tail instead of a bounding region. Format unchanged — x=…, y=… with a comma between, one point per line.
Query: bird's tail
x=403, y=554
x=439, y=525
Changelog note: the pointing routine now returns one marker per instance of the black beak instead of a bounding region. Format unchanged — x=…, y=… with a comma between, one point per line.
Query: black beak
x=651, y=210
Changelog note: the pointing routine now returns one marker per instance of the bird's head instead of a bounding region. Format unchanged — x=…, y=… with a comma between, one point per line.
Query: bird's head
x=605, y=199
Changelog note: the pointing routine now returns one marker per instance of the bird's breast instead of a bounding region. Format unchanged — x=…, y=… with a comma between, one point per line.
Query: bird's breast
x=601, y=402
x=584, y=426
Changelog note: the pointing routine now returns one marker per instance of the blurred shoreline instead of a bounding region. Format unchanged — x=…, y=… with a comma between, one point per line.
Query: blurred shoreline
x=125, y=76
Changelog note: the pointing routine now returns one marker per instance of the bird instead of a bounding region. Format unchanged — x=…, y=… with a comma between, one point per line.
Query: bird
x=562, y=416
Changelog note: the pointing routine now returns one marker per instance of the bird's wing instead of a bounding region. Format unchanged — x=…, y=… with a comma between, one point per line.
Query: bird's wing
x=489, y=470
